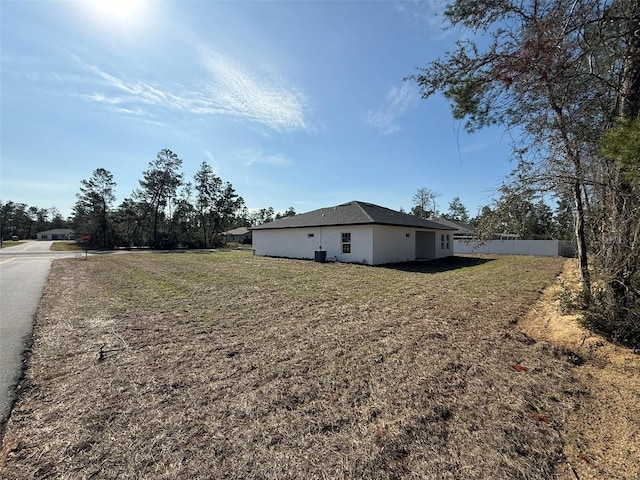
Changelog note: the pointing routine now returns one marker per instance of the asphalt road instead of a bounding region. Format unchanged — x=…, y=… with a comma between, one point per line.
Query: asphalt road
x=23, y=275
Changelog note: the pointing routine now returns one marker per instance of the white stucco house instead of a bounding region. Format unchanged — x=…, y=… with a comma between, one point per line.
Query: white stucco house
x=56, y=234
x=354, y=232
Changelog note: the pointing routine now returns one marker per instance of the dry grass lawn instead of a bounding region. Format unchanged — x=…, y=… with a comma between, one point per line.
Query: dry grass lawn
x=225, y=365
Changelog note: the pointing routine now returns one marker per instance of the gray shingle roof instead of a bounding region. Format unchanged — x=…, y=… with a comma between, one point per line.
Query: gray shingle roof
x=352, y=213
x=237, y=231
x=56, y=231
x=460, y=227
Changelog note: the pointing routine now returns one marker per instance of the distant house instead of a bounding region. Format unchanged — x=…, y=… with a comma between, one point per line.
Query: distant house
x=461, y=229
x=354, y=232
x=56, y=234
x=238, y=235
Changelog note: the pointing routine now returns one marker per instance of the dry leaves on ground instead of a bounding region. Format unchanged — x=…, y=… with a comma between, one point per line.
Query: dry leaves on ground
x=603, y=439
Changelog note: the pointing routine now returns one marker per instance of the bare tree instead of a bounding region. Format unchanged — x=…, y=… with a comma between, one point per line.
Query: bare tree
x=424, y=203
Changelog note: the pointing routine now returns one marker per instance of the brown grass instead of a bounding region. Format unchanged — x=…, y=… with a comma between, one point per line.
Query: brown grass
x=604, y=432
x=226, y=365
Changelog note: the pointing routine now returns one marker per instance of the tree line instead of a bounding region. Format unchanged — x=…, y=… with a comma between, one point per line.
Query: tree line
x=165, y=211
x=23, y=221
x=564, y=77
x=516, y=211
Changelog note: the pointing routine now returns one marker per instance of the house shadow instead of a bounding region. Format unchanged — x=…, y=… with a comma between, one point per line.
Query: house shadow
x=438, y=265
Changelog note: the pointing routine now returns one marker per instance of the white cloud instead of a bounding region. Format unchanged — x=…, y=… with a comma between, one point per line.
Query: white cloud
x=212, y=162
x=429, y=12
x=100, y=98
x=476, y=147
x=229, y=90
x=242, y=93
x=397, y=102
x=253, y=156
x=129, y=96
x=30, y=185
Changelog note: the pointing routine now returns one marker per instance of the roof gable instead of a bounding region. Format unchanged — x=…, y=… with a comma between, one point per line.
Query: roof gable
x=352, y=213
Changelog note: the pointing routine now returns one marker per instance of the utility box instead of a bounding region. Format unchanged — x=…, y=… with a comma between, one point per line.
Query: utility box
x=321, y=256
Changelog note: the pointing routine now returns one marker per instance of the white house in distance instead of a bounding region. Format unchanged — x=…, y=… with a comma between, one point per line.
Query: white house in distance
x=354, y=232
x=56, y=234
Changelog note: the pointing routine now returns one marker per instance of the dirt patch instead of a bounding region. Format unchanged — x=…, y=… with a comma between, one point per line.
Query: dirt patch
x=227, y=365
x=603, y=432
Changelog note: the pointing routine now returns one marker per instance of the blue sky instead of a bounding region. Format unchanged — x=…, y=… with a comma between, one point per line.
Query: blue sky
x=296, y=103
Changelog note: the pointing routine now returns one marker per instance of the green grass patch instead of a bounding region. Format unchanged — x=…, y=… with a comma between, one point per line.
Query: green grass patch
x=11, y=243
x=65, y=247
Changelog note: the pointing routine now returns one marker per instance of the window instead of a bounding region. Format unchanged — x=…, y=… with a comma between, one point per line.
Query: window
x=448, y=240
x=442, y=241
x=346, y=242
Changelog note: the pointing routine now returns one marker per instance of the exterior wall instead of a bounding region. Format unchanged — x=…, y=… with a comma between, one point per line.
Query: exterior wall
x=361, y=243
x=290, y=242
x=431, y=245
x=444, y=243
x=55, y=235
x=541, y=248
x=392, y=245
x=370, y=244
x=303, y=242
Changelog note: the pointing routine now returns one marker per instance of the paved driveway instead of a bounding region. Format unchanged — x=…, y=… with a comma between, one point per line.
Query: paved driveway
x=23, y=275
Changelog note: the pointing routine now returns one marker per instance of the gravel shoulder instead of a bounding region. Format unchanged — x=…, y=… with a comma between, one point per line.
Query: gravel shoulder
x=603, y=440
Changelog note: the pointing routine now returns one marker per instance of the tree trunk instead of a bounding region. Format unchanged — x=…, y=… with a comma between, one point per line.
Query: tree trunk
x=155, y=226
x=630, y=92
x=581, y=243
x=104, y=224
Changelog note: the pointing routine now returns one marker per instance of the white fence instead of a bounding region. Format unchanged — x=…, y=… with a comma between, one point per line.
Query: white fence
x=539, y=248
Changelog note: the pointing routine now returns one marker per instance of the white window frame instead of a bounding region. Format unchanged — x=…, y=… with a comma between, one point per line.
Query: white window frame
x=345, y=245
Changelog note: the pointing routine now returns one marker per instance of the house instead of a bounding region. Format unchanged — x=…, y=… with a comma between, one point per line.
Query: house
x=56, y=234
x=462, y=229
x=238, y=235
x=354, y=232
